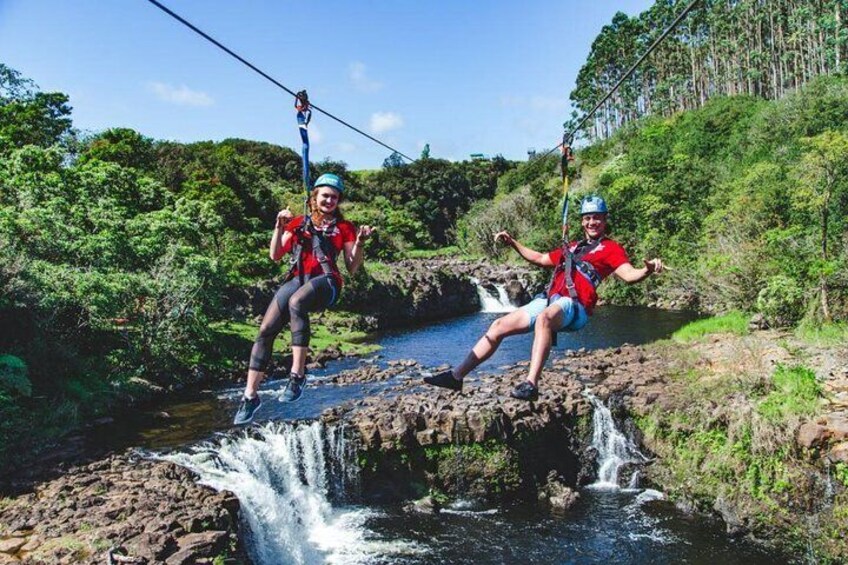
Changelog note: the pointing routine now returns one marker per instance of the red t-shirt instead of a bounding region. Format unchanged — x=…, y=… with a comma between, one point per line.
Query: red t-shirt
x=605, y=258
x=339, y=234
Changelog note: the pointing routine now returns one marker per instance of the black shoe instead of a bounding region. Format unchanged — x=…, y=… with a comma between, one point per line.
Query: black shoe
x=246, y=410
x=294, y=388
x=445, y=379
x=525, y=391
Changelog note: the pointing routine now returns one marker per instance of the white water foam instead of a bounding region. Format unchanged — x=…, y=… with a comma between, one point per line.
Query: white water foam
x=491, y=304
x=613, y=447
x=648, y=495
x=284, y=475
x=464, y=507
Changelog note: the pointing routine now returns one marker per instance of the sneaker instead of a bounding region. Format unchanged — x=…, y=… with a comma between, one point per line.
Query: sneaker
x=294, y=388
x=246, y=410
x=525, y=391
x=444, y=379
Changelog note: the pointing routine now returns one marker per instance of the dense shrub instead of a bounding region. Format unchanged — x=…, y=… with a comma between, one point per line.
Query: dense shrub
x=781, y=301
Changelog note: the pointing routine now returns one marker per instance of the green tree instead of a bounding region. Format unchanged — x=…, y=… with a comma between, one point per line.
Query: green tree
x=42, y=120
x=123, y=146
x=393, y=161
x=823, y=191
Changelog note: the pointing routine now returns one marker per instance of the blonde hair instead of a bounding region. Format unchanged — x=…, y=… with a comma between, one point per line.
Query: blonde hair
x=315, y=212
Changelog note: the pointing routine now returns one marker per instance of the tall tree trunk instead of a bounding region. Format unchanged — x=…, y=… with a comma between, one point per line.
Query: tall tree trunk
x=838, y=39
x=822, y=278
x=830, y=181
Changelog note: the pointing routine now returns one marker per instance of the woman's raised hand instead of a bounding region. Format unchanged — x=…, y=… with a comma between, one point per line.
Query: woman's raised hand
x=364, y=232
x=283, y=217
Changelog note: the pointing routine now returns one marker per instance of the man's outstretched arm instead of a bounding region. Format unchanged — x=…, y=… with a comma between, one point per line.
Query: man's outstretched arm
x=529, y=255
x=630, y=274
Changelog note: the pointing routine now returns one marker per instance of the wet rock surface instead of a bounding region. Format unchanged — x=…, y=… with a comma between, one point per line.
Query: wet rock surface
x=417, y=433
x=557, y=496
x=136, y=510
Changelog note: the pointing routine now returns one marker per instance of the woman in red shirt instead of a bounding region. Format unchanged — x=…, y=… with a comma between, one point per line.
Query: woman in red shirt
x=313, y=284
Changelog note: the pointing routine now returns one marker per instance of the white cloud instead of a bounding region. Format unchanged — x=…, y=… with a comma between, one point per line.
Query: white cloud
x=182, y=95
x=360, y=79
x=381, y=122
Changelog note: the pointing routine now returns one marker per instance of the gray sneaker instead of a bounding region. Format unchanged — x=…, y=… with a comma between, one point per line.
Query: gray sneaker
x=445, y=380
x=247, y=409
x=525, y=391
x=294, y=388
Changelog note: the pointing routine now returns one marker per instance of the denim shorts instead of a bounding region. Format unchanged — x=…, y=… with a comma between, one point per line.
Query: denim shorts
x=574, y=316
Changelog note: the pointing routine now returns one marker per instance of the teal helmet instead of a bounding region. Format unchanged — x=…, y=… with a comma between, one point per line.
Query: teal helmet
x=331, y=180
x=593, y=205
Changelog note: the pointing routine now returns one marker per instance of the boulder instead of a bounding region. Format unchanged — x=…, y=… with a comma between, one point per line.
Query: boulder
x=12, y=545
x=557, y=496
x=426, y=505
x=839, y=453
x=149, y=511
x=516, y=292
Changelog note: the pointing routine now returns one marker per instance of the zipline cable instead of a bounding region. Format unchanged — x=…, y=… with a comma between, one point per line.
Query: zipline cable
x=568, y=136
x=625, y=76
x=253, y=67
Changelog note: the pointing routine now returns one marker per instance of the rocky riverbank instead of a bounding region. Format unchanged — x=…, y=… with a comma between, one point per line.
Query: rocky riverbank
x=121, y=509
x=703, y=410
x=751, y=428
x=483, y=443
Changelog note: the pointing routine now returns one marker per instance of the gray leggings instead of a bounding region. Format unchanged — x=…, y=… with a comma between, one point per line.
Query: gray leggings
x=291, y=304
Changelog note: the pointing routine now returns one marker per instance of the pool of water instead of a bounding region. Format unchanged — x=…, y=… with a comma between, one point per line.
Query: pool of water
x=449, y=341
x=604, y=526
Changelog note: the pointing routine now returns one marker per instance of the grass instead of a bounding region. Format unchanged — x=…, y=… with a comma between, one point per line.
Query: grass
x=840, y=473
x=333, y=330
x=735, y=323
x=380, y=271
x=720, y=437
x=491, y=462
x=796, y=392
x=823, y=334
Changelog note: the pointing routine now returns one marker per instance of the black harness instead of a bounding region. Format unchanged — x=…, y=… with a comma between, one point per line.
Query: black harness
x=319, y=242
x=574, y=260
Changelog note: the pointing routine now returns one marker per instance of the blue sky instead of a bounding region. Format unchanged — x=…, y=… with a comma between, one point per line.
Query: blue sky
x=466, y=77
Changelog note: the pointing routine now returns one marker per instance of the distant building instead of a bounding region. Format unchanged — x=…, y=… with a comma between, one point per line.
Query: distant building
x=531, y=153
x=479, y=157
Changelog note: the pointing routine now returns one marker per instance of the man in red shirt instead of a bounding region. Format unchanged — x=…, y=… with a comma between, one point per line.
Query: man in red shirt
x=569, y=301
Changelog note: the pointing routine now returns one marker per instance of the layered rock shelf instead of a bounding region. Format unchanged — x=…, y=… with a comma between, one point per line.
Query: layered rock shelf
x=121, y=509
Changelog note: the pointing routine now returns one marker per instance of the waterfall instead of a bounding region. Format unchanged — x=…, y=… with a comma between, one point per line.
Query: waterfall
x=285, y=476
x=492, y=304
x=613, y=447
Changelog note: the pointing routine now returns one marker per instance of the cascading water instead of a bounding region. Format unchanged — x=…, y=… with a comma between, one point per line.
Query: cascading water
x=491, y=304
x=284, y=476
x=613, y=447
